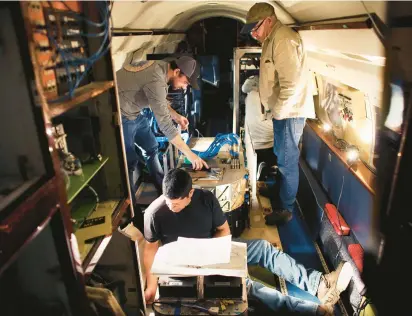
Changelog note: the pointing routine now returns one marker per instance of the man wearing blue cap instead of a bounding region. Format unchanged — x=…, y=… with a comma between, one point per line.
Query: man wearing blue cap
x=285, y=92
x=145, y=85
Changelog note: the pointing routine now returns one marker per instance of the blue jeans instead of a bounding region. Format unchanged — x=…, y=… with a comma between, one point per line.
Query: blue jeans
x=287, y=134
x=138, y=132
x=261, y=252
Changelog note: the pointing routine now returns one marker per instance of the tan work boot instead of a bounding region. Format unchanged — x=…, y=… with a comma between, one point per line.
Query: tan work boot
x=334, y=283
x=325, y=310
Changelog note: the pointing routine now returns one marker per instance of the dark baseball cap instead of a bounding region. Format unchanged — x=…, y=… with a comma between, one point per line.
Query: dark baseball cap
x=190, y=68
x=256, y=13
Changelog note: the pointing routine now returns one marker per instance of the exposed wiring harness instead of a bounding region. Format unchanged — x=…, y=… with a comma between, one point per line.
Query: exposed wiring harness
x=69, y=60
x=82, y=17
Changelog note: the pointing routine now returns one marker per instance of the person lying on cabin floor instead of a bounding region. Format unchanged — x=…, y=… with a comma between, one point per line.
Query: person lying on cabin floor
x=195, y=213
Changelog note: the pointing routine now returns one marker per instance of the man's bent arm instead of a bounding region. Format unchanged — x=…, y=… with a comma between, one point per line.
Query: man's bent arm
x=175, y=116
x=149, y=253
x=223, y=230
x=196, y=161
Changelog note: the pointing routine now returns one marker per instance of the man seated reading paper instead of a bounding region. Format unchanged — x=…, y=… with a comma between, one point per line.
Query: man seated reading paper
x=193, y=213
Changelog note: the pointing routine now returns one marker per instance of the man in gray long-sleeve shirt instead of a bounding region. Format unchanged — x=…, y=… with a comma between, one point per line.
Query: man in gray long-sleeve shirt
x=144, y=86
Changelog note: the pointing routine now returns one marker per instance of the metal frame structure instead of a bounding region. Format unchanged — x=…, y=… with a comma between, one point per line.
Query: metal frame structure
x=171, y=155
x=238, y=53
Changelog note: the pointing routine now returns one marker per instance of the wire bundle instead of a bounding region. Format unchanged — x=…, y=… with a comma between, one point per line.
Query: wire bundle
x=69, y=60
x=219, y=141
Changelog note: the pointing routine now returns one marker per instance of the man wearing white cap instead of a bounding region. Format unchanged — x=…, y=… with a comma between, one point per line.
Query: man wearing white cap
x=285, y=92
x=146, y=85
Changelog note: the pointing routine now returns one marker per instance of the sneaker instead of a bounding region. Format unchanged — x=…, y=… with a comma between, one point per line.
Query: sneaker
x=278, y=217
x=325, y=310
x=334, y=283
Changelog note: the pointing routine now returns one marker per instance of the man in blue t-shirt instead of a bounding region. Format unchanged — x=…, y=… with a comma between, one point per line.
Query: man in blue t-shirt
x=194, y=213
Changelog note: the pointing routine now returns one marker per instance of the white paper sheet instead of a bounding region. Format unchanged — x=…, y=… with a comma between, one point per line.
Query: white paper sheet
x=203, y=252
x=236, y=267
x=197, y=252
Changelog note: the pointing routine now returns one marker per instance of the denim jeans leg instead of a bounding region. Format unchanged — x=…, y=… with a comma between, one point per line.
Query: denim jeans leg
x=287, y=134
x=147, y=143
x=261, y=252
x=129, y=131
x=278, y=302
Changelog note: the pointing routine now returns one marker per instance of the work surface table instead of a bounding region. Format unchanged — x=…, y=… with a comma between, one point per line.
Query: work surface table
x=230, y=175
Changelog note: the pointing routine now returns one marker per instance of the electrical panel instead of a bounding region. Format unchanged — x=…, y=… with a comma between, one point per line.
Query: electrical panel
x=59, y=44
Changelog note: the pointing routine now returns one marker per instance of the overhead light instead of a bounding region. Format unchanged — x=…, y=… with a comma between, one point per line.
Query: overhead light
x=326, y=127
x=352, y=154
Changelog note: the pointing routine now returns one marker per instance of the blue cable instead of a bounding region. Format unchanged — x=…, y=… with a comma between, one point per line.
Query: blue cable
x=97, y=55
x=88, y=68
x=98, y=24
x=92, y=59
x=69, y=60
x=219, y=141
x=66, y=66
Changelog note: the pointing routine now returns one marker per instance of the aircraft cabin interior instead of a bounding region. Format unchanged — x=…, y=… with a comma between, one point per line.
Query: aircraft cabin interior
x=94, y=109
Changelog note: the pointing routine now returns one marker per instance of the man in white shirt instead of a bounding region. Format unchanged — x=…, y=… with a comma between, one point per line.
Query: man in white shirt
x=259, y=128
x=286, y=93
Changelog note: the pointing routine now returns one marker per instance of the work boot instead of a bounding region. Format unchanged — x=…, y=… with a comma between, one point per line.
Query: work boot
x=278, y=217
x=325, y=310
x=334, y=283
x=268, y=192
